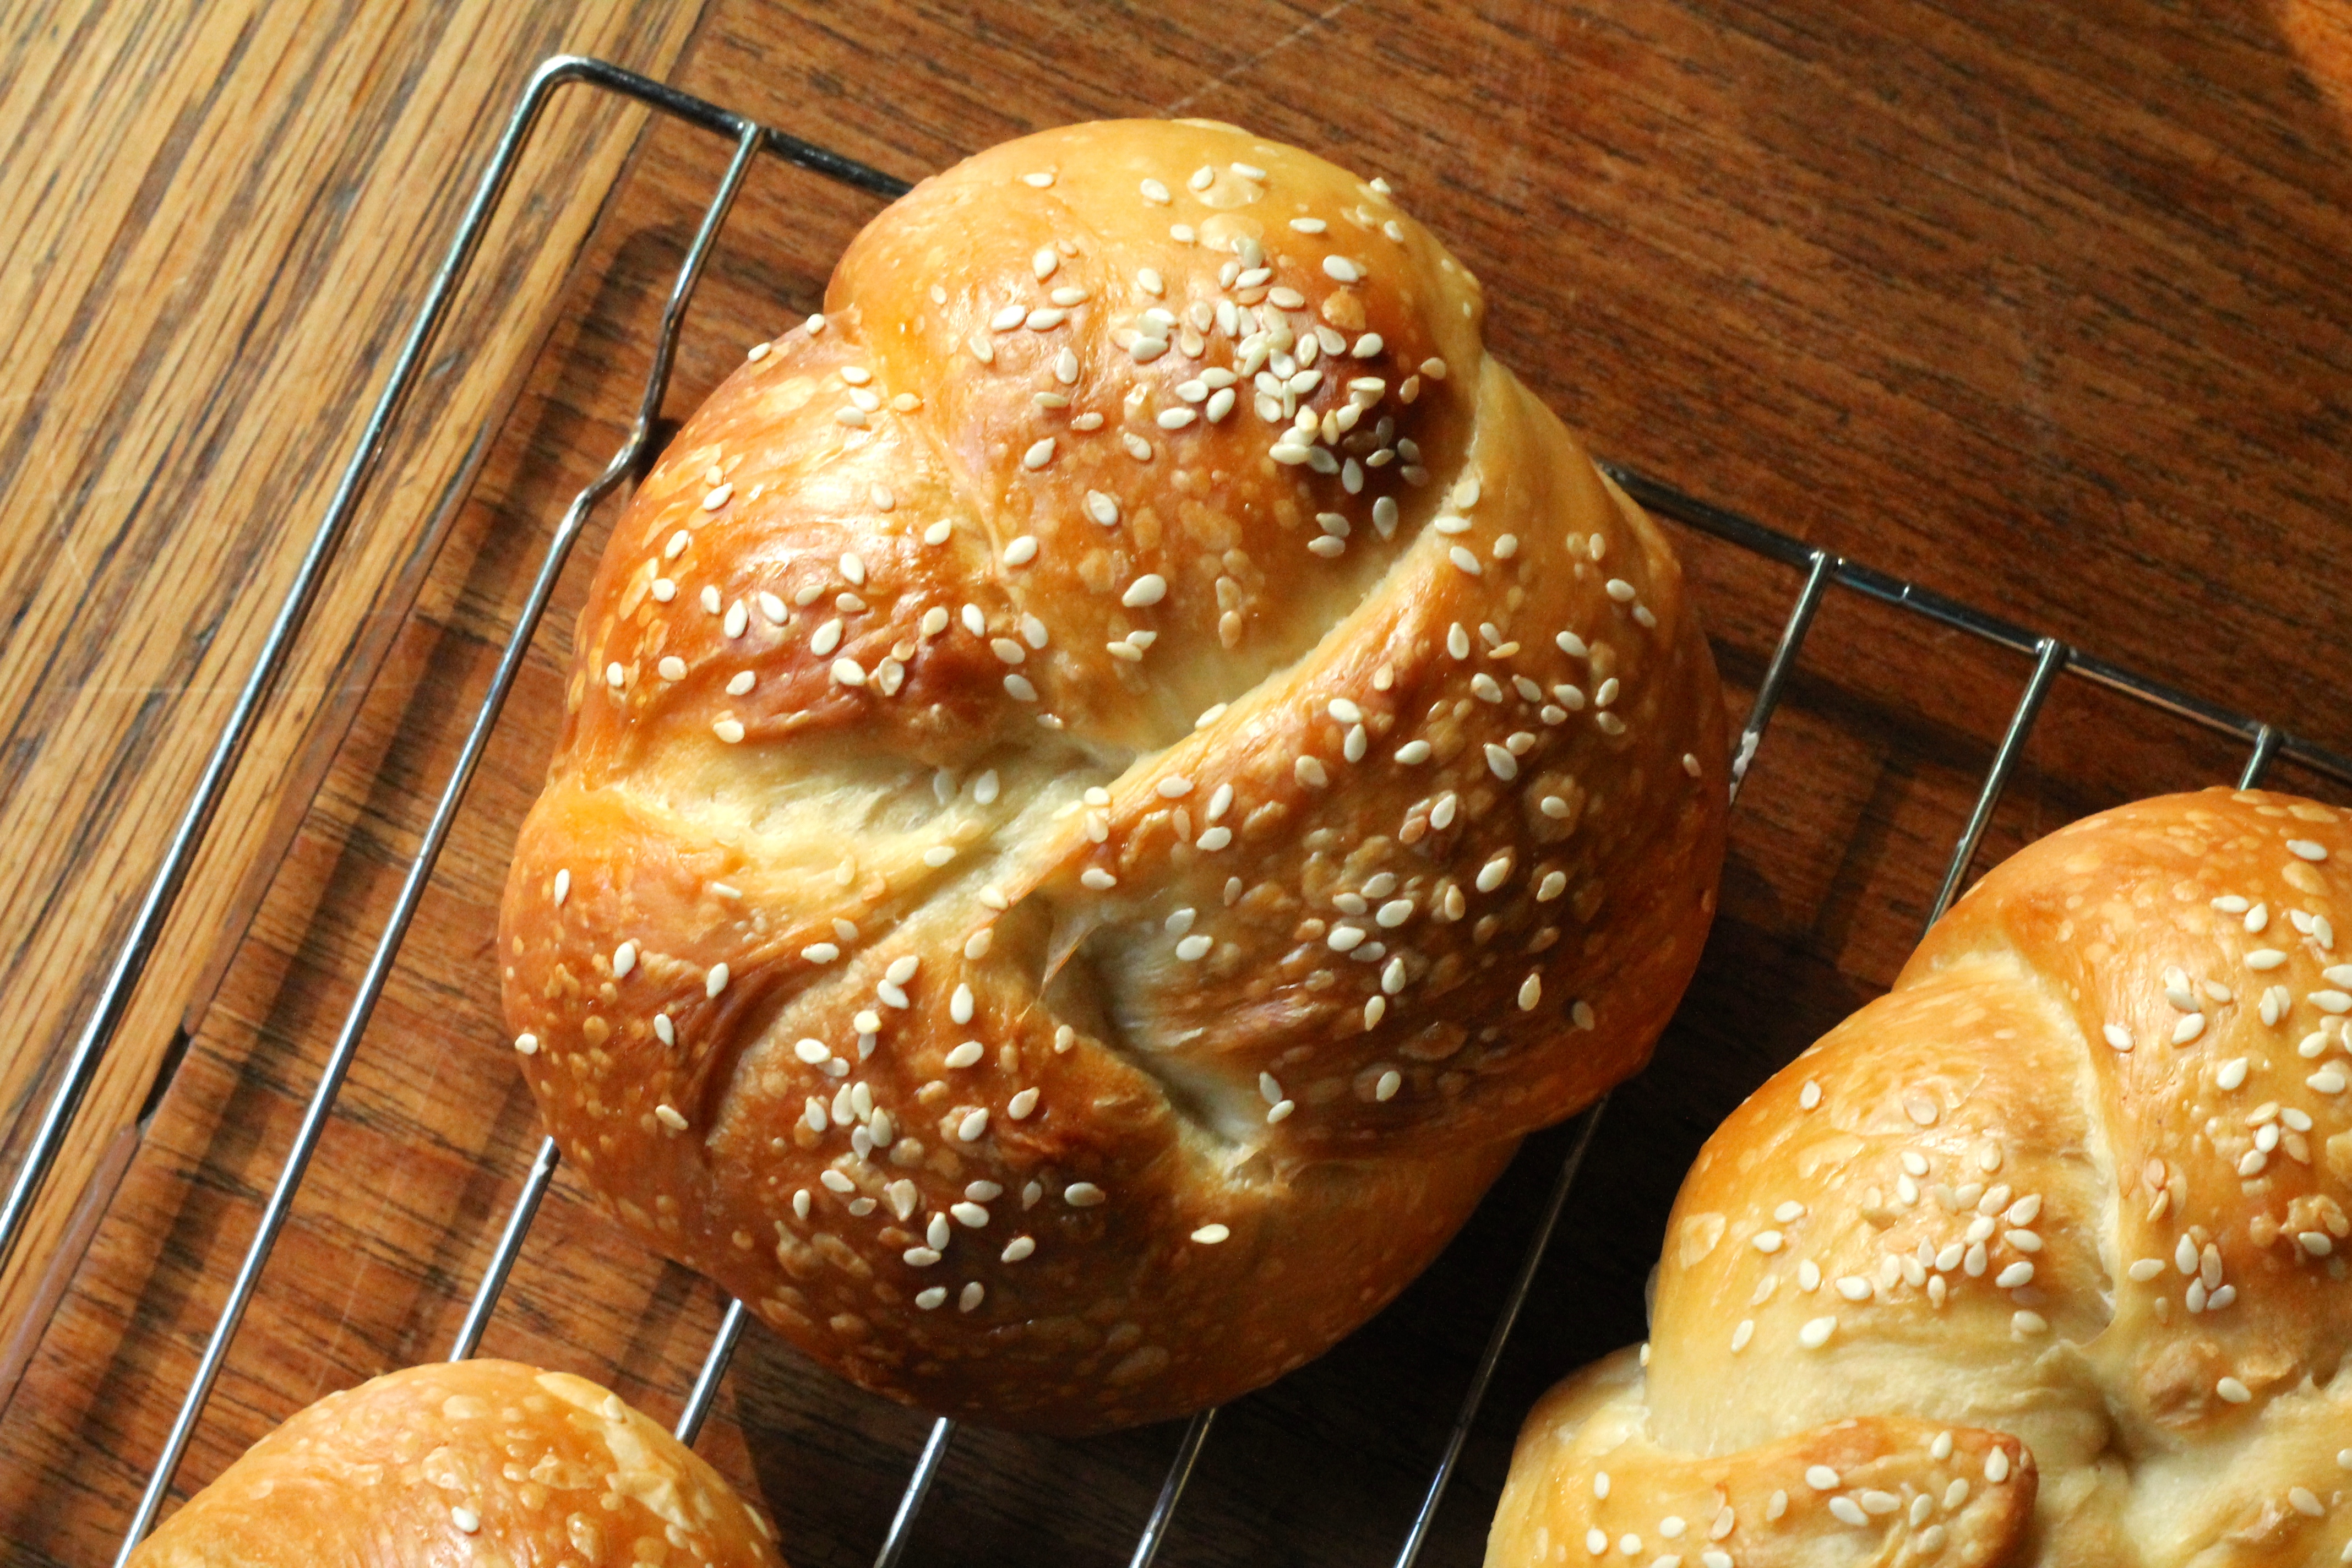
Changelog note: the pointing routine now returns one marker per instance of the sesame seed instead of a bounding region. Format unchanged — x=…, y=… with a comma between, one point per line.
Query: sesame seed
x=1019, y=687
x=1194, y=948
x=2190, y=1025
x=1816, y=1332
x=975, y=1123
x=1847, y=1511
x=2119, y=1036
x=1146, y=590
x=2230, y=1390
x=528, y=1045
x=1156, y=192
x=1038, y=455
x=1413, y=753
x=1500, y=761
x=1210, y=1235
x=1340, y=269
x=1021, y=1105
x=2306, y=849
x=716, y=981
x=1082, y=1195
x=667, y=1115
x=1389, y=1082
x=465, y=1518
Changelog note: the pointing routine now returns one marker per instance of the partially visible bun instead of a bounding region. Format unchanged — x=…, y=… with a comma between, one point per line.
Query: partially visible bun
x=2038, y=1259
x=477, y=1463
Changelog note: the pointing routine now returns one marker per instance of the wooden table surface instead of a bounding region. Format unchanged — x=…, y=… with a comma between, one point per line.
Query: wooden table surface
x=2043, y=306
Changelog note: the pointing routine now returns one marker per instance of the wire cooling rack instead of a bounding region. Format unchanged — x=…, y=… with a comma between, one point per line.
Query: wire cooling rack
x=1820, y=571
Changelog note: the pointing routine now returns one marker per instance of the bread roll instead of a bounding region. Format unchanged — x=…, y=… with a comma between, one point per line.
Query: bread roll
x=487, y=1464
x=1062, y=884
x=2038, y=1258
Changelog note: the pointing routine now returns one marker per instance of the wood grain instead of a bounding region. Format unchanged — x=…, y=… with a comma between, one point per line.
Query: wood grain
x=2040, y=305
x=225, y=218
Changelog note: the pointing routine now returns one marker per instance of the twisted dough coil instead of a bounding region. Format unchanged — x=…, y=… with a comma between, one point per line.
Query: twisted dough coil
x=2038, y=1258
x=1109, y=778
x=464, y=1465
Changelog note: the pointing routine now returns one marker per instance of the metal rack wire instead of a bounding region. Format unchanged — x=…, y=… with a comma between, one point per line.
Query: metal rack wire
x=1821, y=570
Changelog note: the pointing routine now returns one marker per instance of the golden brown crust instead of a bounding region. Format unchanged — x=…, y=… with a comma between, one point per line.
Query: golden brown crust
x=1589, y=1476
x=2079, y=1178
x=487, y=1464
x=1276, y=890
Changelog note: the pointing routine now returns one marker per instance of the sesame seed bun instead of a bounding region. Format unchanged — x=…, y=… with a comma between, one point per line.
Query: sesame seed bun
x=1109, y=779
x=465, y=1462
x=2073, y=1192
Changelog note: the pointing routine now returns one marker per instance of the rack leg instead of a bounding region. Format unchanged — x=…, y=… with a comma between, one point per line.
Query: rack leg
x=1784, y=660
x=1419, y=1534
x=714, y=1368
x=919, y=1486
x=1171, y=1490
x=2046, y=668
x=494, y=1279
x=2266, y=744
